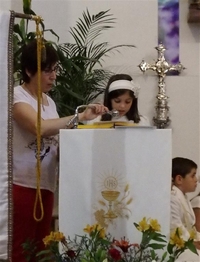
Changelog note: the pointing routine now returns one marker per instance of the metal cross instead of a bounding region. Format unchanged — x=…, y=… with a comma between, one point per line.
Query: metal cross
x=161, y=67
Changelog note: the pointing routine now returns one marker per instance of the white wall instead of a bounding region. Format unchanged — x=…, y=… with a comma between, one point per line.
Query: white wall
x=15, y=5
x=137, y=24
x=5, y=5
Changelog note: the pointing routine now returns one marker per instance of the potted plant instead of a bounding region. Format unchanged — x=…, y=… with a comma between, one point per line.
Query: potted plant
x=98, y=246
x=81, y=77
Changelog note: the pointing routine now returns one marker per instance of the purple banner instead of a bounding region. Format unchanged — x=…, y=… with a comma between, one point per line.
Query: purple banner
x=168, y=28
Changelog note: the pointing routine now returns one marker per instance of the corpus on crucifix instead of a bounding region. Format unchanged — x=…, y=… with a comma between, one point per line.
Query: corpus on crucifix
x=161, y=67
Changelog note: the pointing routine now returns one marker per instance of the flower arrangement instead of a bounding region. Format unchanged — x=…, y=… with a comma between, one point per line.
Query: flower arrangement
x=97, y=246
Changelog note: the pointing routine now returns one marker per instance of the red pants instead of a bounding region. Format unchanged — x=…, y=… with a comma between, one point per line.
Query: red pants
x=24, y=225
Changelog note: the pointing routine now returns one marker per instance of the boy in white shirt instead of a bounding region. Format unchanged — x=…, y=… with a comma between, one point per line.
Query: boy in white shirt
x=184, y=180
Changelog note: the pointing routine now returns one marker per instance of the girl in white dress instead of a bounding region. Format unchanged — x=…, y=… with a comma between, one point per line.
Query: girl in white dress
x=121, y=94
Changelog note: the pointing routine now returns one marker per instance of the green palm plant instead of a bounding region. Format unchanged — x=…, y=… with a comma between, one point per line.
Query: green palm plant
x=82, y=77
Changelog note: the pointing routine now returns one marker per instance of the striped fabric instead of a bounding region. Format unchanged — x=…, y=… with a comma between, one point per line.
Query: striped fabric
x=6, y=86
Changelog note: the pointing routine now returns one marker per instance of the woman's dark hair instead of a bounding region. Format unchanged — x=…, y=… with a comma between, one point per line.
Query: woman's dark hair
x=133, y=113
x=29, y=59
x=182, y=166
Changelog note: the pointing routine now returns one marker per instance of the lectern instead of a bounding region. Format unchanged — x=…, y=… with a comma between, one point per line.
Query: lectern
x=114, y=177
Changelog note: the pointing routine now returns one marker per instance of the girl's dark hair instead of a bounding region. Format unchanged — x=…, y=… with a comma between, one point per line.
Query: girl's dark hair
x=29, y=59
x=182, y=166
x=133, y=113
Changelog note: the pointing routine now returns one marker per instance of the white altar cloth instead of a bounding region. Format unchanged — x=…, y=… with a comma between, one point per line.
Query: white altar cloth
x=133, y=161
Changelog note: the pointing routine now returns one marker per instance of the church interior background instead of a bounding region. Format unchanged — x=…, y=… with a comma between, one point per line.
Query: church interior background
x=137, y=22
x=135, y=26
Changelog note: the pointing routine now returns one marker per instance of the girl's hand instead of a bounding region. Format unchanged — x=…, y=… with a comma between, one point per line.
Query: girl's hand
x=92, y=111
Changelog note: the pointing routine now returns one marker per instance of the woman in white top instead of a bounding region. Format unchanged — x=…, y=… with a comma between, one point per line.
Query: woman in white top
x=121, y=94
x=25, y=227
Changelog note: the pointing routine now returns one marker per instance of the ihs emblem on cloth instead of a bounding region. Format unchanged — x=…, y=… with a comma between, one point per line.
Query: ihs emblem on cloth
x=114, y=199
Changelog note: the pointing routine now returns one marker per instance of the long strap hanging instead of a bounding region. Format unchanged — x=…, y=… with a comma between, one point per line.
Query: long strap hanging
x=38, y=199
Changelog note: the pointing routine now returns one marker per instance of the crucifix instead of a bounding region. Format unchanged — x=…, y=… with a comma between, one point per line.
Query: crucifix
x=161, y=67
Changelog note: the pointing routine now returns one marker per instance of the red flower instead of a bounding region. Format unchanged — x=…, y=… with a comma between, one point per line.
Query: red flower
x=122, y=244
x=115, y=254
x=71, y=253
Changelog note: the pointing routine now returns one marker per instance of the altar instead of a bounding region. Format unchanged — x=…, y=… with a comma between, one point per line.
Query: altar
x=114, y=177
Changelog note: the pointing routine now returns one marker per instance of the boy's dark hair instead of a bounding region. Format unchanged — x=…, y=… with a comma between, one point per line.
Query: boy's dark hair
x=182, y=166
x=29, y=59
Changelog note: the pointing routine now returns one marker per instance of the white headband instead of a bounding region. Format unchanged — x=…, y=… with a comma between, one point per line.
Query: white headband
x=124, y=84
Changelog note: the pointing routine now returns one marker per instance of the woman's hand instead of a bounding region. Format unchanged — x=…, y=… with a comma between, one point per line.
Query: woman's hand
x=92, y=111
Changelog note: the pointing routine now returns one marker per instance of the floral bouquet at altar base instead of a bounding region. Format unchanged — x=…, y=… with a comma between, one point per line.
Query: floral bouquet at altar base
x=97, y=246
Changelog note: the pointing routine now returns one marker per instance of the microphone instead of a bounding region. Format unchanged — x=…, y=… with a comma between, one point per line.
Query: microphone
x=113, y=113
x=74, y=119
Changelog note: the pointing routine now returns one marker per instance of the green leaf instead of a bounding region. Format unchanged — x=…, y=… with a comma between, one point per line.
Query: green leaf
x=159, y=237
x=136, y=225
x=171, y=259
x=27, y=6
x=43, y=252
x=190, y=245
x=170, y=248
x=53, y=33
x=89, y=28
x=153, y=254
x=163, y=257
x=156, y=246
